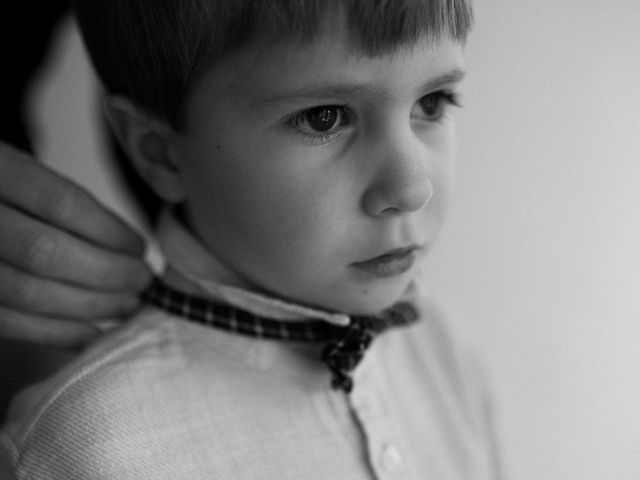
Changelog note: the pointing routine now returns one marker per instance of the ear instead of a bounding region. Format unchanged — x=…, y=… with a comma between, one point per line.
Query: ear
x=148, y=144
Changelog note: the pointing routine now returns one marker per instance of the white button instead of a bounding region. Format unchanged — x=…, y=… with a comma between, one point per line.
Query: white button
x=390, y=459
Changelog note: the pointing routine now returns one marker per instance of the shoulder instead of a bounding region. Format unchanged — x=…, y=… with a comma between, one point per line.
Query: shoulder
x=446, y=351
x=94, y=408
x=465, y=371
x=439, y=328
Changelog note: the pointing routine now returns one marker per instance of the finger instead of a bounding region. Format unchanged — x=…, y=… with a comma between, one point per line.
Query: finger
x=54, y=332
x=38, y=191
x=36, y=248
x=45, y=297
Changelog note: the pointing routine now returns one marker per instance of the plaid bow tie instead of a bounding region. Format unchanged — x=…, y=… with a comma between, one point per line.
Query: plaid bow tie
x=345, y=346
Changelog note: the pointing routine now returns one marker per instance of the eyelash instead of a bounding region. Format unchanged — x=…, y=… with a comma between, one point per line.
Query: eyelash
x=449, y=98
x=294, y=121
x=444, y=98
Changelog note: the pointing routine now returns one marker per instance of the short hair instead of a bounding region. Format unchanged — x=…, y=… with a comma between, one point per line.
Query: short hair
x=153, y=51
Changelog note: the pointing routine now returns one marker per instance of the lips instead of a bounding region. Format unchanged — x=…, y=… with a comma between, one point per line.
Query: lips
x=393, y=263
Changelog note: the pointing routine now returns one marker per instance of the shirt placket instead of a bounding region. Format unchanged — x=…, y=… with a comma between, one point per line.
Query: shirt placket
x=385, y=446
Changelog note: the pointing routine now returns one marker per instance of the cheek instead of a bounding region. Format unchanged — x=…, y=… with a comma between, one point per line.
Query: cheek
x=436, y=212
x=444, y=166
x=290, y=219
x=268, y=212
x=254, y=199
x=296, y=230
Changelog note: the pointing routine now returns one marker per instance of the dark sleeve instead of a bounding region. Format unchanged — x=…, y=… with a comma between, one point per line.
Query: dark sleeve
x=26, y=28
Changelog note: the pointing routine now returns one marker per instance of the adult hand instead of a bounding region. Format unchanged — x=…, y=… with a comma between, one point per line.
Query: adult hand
x=65, y=261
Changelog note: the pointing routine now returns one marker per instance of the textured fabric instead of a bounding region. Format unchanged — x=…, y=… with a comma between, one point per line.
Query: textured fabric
x=344, y=346
x=163, y=398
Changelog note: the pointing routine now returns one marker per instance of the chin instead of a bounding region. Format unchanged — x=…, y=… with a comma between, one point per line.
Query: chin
x=373, y=301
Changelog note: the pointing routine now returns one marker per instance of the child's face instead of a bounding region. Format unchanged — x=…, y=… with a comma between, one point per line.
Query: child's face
x=319, y=174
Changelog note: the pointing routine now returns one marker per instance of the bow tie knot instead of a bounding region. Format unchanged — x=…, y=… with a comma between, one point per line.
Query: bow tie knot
x=342, y=356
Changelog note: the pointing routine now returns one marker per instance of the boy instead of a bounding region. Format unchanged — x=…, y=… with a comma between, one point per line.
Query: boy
x=305, y=151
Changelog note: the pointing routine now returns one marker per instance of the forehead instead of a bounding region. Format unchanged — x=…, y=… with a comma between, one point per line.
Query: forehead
x=287, y=71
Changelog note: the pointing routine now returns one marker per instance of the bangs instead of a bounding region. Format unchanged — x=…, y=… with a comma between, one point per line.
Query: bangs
x=375, y=26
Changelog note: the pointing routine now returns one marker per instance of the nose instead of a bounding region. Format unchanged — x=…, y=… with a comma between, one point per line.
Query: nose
x=402, y=183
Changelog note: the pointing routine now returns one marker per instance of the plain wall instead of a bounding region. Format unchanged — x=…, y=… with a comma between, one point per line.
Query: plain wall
x=541, y=256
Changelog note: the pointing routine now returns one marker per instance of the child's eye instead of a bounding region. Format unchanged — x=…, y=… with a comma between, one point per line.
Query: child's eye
x=434, y=105
x=319, y=123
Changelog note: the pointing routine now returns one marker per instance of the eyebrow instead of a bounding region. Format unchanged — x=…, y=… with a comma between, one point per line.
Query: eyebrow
x=345, y=91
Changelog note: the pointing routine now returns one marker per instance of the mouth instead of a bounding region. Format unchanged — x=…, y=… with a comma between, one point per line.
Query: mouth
x=393, y=263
